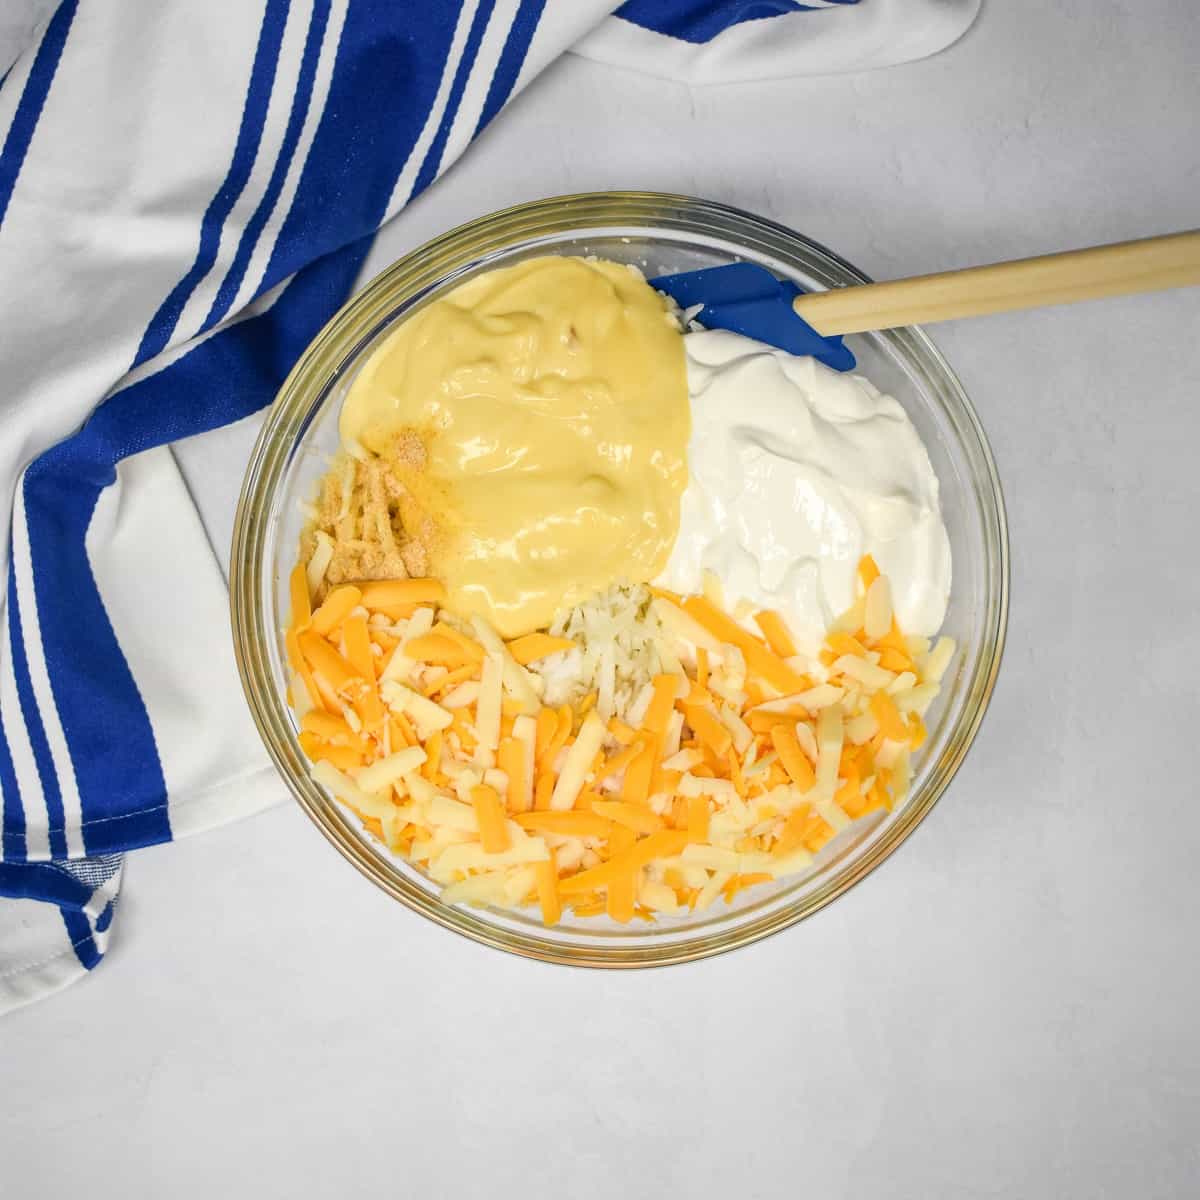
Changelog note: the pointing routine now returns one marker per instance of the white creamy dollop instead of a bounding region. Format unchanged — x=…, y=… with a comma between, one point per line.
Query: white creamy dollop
x=796, y=471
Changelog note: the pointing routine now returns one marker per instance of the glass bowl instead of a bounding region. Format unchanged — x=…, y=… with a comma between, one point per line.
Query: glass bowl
x=662, y=234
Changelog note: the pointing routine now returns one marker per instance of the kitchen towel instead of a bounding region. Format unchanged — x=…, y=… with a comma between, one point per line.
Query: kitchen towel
x=187, y=194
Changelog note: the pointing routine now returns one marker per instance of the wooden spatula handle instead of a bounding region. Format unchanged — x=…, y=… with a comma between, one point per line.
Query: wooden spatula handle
x=1148, y=265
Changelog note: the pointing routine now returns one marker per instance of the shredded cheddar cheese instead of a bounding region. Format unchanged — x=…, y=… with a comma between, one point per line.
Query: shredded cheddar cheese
x=698, y=762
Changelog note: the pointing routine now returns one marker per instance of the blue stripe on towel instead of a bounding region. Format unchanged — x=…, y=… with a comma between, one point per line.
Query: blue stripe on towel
x=228, y=290
x=43, y=881
x=121, y=789
x=384, y=85
x=249, y=135
x=13, y=846
x=79, y=930
x=512, y=59
x=29, y=107
x=38, y=744
x=433, y=156
x=700, y=21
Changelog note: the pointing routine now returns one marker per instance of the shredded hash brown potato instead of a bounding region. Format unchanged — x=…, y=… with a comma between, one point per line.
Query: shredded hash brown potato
x=646, y=755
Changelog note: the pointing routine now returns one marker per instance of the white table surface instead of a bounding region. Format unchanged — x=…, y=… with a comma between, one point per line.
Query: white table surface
x=1007, y=1007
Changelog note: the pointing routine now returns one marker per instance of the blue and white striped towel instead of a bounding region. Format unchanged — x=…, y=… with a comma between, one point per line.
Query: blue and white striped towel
x=187, y=193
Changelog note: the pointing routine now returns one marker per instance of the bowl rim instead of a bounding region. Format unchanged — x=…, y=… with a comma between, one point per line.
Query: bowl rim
x=589, y=212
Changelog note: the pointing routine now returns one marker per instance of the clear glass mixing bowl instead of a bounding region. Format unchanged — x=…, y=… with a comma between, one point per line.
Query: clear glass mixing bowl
x=661, y=234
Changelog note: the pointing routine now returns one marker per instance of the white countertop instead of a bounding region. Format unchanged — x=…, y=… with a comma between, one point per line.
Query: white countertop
x=1007, y=1007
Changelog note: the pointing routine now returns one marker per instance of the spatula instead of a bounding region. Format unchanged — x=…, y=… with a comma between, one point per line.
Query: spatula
x=748, y=299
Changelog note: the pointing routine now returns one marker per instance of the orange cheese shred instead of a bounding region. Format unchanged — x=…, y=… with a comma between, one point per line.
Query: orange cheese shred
x=775, y=630
x=547, y=890
x=358, y=647
x=298, y=593
x=394, y=612
x=327, y=662
x=452, y=679
x=664, y=781
x=893, y=640
x=396, y=739
x=510, y=758
x=622, y=888
x=470, y=648
x=390, y=593
x=917, y=733
x=571, y=823
x=437, y=650
x=795, y=761
x=533, y=646
x=764, y=722
x=369, y=707
x=894, y=660
x=639, y=774
x=329, y=728
x=633, y=816
x=564, y=719
x=620, y=760
x=336, y=608
x=300, y=665
x=343, y=757
x=493, y=832
x=759, y=659
x=679, y=813
x=666, y=594
x=662, y=701
x=878, y=797
x=706, y=725
x=433, y=754
x=547, y=723
x=843, y=643
x=868, y=571
x=739, y=882
x=850, y=800
x=543, y=792
x=792, y=835
x=891, y=723
x=816, y=832
x=462, y=728
x=635, y=787
x=735, y=771
x=622, y=732
x=664, y=844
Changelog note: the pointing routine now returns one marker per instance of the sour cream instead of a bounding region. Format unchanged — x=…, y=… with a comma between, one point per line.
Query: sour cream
x=795, y=472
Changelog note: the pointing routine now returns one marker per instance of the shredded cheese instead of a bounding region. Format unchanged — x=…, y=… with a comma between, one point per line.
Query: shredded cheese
x=644, y=756
x=579, y=759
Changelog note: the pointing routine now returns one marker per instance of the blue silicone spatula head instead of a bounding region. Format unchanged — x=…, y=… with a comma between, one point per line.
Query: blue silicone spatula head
x=747, y=299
